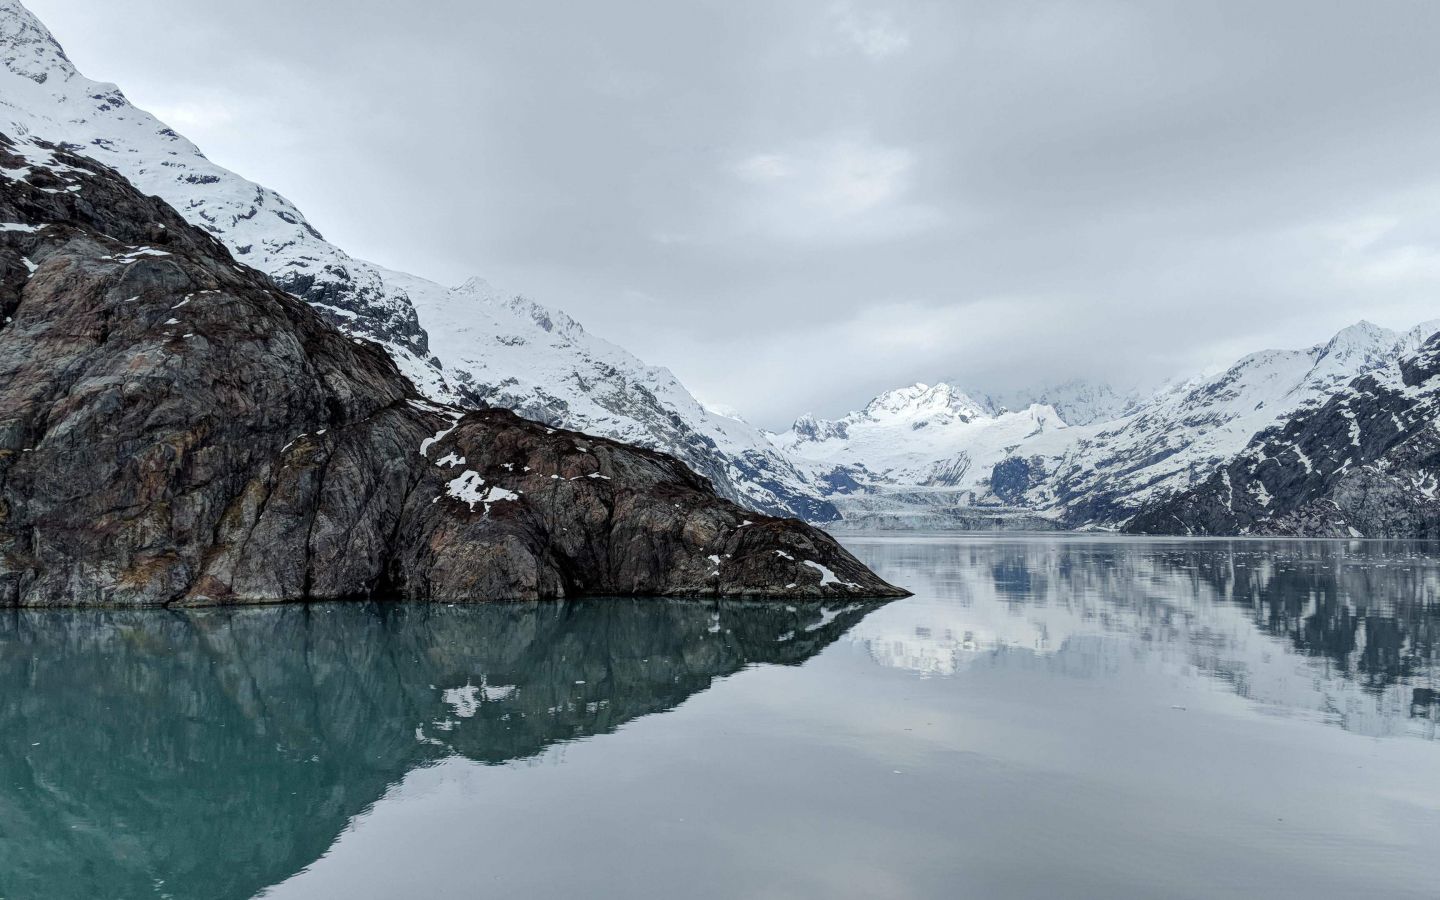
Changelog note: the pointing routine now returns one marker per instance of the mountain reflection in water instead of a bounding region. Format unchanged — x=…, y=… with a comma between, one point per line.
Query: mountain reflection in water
x=1346, y=631
x=1052, y=716
x=212, y=753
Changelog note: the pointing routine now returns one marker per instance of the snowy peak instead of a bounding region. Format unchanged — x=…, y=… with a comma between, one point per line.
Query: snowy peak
x=942, y=402
x=914, y=407
x=27, y=47
x=477, y=287
x=1420, y=335
x=1360, y=349
x=479, y=290
x=809, y=428
x=1360, y=346
x=1361, y=337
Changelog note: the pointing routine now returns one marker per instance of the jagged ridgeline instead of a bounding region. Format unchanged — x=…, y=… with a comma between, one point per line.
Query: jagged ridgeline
x=931, y=456
x=224, y=750
x=1366, y=463
x=174, y=429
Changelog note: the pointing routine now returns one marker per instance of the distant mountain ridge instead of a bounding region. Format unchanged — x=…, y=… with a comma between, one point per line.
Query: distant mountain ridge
x=933, y=456
x=469, y=344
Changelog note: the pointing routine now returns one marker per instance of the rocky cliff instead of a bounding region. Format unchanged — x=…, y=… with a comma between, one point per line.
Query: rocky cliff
x=174, y=429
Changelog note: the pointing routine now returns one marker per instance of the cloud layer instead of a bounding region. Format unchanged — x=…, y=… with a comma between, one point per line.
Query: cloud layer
x=796, y=205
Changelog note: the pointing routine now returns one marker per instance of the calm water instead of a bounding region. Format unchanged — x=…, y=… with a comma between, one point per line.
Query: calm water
x=1052, y=717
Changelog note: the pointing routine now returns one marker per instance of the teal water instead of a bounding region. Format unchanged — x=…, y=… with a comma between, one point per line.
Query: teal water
x=1047, y=717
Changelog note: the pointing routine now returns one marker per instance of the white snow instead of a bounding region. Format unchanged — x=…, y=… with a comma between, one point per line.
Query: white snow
x=827, y=616
x=465, y=701
x=1304, y=460
x=1262, y=496
x=440, y=435
x=466, y=488
x=826, y=575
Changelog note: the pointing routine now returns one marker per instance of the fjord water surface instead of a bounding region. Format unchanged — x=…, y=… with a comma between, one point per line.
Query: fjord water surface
x=1051, y=716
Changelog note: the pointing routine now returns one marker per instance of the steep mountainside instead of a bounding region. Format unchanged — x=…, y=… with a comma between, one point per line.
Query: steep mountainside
x=469, y=345
x=504, y=350
x=1178, y=437
x=932, y=456
x=176, y=430
x=1366, y=463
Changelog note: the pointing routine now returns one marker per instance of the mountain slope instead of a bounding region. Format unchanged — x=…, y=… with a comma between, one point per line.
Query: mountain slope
x=505, y=350
x=1366, y=463
x=175, y=430
x=1179, y=436
x=467, y=345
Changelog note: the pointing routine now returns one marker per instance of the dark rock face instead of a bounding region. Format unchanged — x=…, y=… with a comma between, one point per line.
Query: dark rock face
x=1011, y=478
x=1364, y=464
x=176, y=430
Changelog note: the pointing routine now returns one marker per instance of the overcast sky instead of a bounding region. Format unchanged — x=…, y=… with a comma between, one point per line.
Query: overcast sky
x=794, y=205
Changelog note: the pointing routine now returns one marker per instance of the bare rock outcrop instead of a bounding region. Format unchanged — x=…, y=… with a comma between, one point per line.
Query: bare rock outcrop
x=176, y=430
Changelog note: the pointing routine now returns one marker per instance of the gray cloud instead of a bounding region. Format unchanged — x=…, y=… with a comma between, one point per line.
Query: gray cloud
x=795, y=205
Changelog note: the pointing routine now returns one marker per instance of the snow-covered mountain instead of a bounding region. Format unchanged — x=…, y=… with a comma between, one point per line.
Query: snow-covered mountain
x=468, y=344
x=504, y=350
x=932, y=456
x=915, y=456
x=1179, y=436
x=1366, y=463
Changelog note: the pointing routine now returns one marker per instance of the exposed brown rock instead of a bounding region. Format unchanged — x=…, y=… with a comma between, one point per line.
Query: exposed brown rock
x=176, y=430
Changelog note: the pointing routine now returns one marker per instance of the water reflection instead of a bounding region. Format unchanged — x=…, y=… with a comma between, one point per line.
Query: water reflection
x=1346, y=632
x=212, y=753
